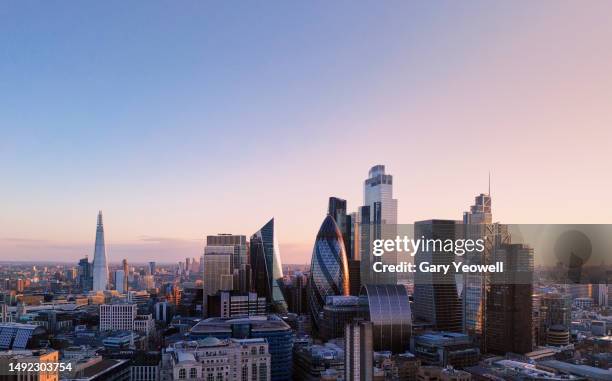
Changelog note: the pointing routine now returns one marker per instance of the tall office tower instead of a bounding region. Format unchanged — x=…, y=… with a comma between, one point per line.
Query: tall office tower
x=435, y=293
x=119, y=281
x=509, y=308
x=218, y=274
x=328, y=269
x=85, y=274
x=600, y=294
x=117, y=317
x=240, y=258
x=478, y=224
x=267, y=268
x=358, y=351
x=126, y=272
x=100, y=265
x=187, y=264
x=609, y=283
x=378, y=219
x=152, y=268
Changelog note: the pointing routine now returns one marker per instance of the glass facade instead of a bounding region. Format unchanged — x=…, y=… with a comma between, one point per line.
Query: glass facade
x=329, y=274
x=390, y=315
x=267, y=268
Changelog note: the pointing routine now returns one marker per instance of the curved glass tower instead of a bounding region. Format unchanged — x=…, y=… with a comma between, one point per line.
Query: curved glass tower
x=267, y=268
x=329, y=273
x=390, y=315
x=100, y=265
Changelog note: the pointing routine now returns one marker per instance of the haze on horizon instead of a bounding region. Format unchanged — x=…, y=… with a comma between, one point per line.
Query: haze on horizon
x=184, y=121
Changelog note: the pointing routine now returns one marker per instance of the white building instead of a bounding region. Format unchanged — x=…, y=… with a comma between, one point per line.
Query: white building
x=144, y=323
x=214, y=359
x=117, y=317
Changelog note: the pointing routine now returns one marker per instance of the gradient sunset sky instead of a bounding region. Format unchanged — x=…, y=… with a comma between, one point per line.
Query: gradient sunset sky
x=184, y=119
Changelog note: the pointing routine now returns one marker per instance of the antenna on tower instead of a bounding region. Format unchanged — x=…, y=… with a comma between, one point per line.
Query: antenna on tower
x=489, y=183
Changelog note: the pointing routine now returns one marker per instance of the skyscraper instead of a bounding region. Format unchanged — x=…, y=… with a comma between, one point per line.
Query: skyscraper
x=100, y=265
x=435, y=293
x=266, y=267
x=509, y=301
x=85, y=274
x=119, y=281
x=125, y=272
x=478, y=224
x=358, y=351
x=378, y=219
x=218, y=275
x=240, y=258
x=328, y=268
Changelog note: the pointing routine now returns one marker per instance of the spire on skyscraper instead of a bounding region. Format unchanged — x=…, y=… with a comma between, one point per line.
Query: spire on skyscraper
x=100, y=265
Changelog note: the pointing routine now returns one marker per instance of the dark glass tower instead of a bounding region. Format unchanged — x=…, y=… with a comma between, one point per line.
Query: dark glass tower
x=267, y=268
x=328, y=268
x=509, y=301
x=435, y=294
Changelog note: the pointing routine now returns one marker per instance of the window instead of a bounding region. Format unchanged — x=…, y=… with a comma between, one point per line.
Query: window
x=193, y=373
x=263, y=372
x=262, y=350
x=182, y=373
x=253, y=351
x=245, y=373
x=254, y=371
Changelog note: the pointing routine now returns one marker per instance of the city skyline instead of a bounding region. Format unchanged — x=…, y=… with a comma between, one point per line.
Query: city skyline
x=184, y=138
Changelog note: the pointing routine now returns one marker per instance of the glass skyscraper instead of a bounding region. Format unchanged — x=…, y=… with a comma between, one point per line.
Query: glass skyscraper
x=266, y=267
x=378, y=219
x=328, y=268
x=100, y=265
x=435, y=293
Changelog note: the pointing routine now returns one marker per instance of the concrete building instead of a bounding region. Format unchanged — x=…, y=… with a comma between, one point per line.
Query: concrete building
x=217, y=359
x=117, y=317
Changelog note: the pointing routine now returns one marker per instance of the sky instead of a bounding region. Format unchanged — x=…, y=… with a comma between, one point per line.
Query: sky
x=180, y=120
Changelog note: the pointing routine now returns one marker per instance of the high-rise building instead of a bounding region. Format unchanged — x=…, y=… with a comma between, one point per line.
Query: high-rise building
x=328, y=269
x=117, y=317
x=100, y=265
x=435, y=293
x=126, y=272
x=240, y=258
x=218, y=275
x=267, y=268
x=391, y=316
x=509, y=309
x=152, y=268
x=377, y=219
x=85, y=274
x=358, y=353
x=478, y=223
x=600, y=294
x=119, y=281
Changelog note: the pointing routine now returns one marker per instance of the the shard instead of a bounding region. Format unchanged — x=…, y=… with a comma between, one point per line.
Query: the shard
x=100, y=264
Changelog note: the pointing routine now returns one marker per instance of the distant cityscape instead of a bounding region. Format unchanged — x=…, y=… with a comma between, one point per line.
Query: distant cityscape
x=235, y=312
